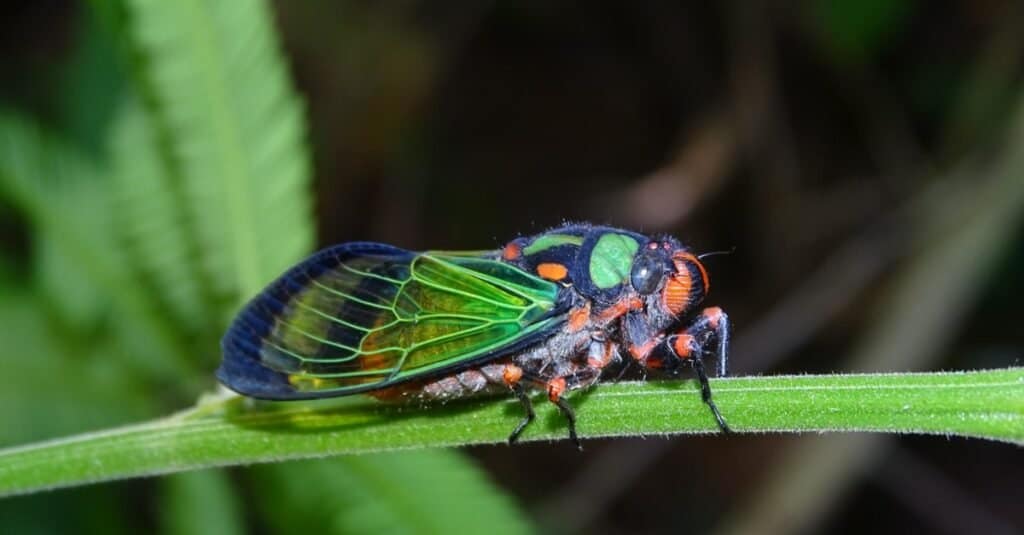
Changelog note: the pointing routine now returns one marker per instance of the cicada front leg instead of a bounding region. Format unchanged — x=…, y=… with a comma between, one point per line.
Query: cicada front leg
x=694, y=342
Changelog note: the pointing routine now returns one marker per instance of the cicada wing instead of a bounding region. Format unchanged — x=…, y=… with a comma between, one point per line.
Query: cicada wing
x=362, y=316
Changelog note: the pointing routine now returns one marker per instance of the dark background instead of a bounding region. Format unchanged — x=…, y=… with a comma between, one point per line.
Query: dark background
x=813, y=139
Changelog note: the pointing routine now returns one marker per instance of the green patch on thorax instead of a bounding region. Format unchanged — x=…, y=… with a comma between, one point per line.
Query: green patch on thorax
x=612, y=260
x=548, y=241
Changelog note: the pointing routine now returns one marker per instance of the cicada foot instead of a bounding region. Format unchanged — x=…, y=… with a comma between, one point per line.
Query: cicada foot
x=691, y=344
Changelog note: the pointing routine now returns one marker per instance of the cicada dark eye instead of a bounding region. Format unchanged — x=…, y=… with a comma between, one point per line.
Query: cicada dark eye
x=647, y=273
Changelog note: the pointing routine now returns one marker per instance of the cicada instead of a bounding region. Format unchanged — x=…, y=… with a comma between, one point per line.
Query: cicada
x=554, y=312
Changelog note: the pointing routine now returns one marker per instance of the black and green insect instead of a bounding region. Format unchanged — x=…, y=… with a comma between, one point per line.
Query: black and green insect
x=551, y=311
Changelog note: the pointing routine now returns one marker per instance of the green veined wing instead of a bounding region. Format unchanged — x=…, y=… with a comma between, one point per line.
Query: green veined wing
x=362, y=316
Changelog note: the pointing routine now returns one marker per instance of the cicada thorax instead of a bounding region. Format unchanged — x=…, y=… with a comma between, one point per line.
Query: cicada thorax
x=551, y=256
x=593, y=265
x=628, y=287
x=595, y=261
x=596, y=265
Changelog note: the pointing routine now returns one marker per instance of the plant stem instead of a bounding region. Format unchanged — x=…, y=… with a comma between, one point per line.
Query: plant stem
x=232, y=430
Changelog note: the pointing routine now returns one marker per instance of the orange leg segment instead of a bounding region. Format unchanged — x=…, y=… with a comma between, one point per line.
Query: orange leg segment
x=601, y=353
x=712, y=326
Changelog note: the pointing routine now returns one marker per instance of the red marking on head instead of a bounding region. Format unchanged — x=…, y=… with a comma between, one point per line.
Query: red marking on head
x=552, y=271
x=512, y=374
x=676, y=296
x=681, y=258
x=714, y=316
x=555, y=389
x=676, y=293
x=684, y=345
x=512, y=251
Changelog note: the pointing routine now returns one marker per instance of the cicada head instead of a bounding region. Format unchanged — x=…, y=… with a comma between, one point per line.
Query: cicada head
x=666, y=266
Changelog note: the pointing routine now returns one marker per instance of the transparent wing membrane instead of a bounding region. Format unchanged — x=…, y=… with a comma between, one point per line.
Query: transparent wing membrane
x=362, y=316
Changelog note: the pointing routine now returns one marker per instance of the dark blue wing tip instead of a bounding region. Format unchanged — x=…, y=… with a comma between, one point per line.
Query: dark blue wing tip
x=242, y=369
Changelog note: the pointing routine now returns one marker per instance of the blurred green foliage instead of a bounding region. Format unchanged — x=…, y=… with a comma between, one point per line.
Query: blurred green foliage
x=174, y=182
x=855, y=31
x=199, y=502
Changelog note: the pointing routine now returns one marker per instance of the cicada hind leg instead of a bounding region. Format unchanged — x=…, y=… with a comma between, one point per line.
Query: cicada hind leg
x=555, y=389
x=601, y=352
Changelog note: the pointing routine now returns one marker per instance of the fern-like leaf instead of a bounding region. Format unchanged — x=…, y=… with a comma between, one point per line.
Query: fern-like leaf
x=236, y=131
x=153, y=219
x=50, y=386
x=200, y=502
x=65, y=198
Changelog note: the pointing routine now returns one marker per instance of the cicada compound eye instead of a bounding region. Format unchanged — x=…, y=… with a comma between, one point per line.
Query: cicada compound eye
x=648, y=270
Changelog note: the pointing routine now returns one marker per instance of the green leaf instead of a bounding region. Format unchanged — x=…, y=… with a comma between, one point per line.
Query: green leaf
x=983, y=404
x=9, y=276
x=72, y=189
x=46, y=389
x=92, y=82
x=236, y=132
x=92, y=510
x=199, y=502
x=428, y=491
x=154, y=219
x=855, y=30
x=69, y=291
x=65, y=198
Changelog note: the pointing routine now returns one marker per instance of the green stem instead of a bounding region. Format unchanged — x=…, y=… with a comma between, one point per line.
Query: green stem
x=232, y=430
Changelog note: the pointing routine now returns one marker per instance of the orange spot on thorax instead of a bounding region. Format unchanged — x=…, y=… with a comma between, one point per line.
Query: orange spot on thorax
x=552, y=271
x=512, y=251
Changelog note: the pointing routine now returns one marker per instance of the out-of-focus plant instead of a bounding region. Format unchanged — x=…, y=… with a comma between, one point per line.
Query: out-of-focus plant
x=174, y=183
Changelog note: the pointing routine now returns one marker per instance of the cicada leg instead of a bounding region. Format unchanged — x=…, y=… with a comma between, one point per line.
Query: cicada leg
x=555, y=388
x=712, y=326
x=600, y=354
x=524, y=399
x=559, y=385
